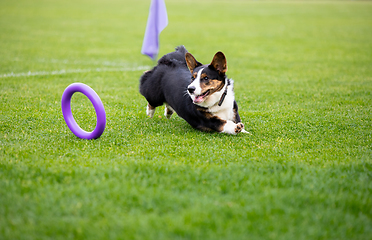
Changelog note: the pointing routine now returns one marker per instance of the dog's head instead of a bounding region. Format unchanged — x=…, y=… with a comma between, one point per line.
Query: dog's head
x=207, y=81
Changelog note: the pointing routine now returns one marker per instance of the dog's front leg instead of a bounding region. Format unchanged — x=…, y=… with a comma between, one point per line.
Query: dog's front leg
x=233, y=128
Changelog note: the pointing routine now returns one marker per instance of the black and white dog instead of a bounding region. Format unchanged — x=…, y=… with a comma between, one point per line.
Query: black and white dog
x=200, y=94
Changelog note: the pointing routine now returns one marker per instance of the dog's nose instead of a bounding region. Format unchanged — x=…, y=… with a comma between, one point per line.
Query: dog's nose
x=191, y=89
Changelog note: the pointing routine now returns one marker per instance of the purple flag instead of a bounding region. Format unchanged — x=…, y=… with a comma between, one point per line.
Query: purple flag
x=157, y=21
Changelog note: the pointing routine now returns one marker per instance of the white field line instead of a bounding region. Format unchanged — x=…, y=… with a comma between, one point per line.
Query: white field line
x=66, y=71
x=83, y=62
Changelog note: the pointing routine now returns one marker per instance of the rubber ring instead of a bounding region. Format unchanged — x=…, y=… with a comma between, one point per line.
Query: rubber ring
x=97, y=104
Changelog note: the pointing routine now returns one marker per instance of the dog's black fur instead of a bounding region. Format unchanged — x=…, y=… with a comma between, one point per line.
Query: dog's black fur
x=168, y=82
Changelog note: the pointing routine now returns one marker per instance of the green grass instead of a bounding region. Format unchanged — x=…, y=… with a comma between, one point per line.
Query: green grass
x=303, y=82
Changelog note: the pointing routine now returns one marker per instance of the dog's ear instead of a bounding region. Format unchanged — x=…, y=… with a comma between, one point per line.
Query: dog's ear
x=191, y=62
x=219, y=63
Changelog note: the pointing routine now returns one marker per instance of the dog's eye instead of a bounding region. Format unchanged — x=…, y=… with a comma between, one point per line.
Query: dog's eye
x=205, y=78
x=192, y=78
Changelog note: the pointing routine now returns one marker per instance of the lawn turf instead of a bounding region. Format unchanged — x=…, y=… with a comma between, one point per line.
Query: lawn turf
x=303, y=82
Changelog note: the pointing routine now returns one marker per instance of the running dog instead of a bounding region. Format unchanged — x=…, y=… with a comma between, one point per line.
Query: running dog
x=200, y=94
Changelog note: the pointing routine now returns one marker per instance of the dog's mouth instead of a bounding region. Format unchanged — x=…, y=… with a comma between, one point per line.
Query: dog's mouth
x=200, y=98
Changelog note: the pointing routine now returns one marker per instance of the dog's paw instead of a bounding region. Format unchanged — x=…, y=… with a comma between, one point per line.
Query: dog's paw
x=233, y=128
x=150, y=111
x=168, y=111
x=239, y=127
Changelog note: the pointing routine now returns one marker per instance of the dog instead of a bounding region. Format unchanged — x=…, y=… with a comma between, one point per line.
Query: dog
x=200, y=94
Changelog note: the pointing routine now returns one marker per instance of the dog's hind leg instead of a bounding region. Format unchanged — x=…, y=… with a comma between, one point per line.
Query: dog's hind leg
x=168, y=111
x=150, y=110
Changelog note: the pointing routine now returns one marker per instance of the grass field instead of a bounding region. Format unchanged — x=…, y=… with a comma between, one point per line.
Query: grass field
x=303, y=82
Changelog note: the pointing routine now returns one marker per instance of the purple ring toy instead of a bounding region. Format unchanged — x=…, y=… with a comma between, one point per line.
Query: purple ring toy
x=97, y=104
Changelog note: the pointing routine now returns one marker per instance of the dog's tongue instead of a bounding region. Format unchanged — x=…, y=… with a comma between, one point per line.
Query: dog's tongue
x=198, y=99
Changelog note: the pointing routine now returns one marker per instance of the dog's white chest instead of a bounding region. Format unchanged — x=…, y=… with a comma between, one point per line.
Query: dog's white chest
x=225, y=113
x=226, y=110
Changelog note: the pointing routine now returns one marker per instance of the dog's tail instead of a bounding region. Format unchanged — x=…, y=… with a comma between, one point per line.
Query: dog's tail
x=174, y=59
x=181, y=49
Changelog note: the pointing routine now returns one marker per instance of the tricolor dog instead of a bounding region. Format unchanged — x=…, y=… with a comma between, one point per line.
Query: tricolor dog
x=200, y=94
